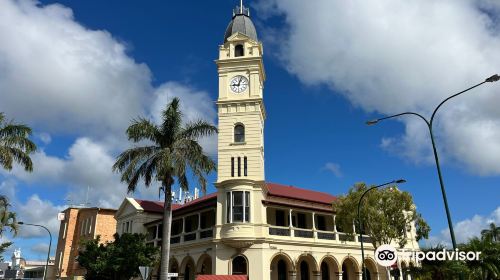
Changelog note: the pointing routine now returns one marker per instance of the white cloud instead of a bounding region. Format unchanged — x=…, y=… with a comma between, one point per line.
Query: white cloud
x=40, y=248
x=334, y=168
x=194, y=104
x=466, y=229
x=392, y=56
x=38, y=211
x=63, y=78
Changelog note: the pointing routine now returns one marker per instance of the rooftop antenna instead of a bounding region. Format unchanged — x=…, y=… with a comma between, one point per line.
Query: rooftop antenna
x=87, y=196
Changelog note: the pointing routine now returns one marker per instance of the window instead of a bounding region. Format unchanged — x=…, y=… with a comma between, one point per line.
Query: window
x=280, y=218
x=191, y=223
x=228, y=208
x=239, y=166
x=245, y=169
x=65, y=229
x=247, y=207
x=90, y=225
x=238, y=207
x=239, y=133
x=239, y=266
x=239, y=50
x=176, y=227
x=301, y=217
x=232, y=167
x=321, y=223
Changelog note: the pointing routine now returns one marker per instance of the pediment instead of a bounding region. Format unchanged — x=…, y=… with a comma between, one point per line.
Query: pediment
x=128, y=206
x=238, y=37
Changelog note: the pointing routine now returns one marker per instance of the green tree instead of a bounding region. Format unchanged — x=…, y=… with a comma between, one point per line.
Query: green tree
x=492, y=233
x=170, y=149
x=117, y=260
x=438, y=270
x=386, y=214
x=15, y=145
x=488, y=266
x=7, y=221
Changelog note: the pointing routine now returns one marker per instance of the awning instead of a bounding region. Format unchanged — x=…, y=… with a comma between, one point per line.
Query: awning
x=221, y=277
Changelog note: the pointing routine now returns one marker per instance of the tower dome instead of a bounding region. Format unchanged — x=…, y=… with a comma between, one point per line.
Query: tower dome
x=242, y=23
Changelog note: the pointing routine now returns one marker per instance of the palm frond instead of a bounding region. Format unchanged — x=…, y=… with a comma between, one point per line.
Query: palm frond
x=172, y=121
x=143, y=129
x=21, y=157
x=198, y=129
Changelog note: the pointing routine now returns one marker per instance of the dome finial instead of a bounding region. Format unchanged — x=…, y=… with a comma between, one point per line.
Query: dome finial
x=241, y=10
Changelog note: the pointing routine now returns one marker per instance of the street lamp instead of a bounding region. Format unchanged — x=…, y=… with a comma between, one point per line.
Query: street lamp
x=360, y=224
x=50, y=244
x=491, y=79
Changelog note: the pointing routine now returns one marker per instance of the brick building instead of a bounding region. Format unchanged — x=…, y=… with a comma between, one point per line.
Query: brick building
x=79, y=224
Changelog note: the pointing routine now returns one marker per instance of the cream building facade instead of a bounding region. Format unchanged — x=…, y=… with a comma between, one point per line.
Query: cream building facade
x=249, y=226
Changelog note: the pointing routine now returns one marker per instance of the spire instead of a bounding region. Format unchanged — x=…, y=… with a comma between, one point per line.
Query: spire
x=241, y=10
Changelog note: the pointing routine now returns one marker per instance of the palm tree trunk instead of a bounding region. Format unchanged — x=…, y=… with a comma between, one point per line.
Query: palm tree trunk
x=167, y=222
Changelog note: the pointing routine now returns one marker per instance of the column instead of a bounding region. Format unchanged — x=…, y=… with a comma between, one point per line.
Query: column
x=316, y=275
x=315, y=234
x=290, y=222
x=199, y=227
x=339, y=274
x=360, y=275
x=335, y=228
x=292, y=275
x=183, y=228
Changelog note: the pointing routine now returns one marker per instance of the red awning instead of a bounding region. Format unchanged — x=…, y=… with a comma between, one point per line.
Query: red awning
x=221, y=277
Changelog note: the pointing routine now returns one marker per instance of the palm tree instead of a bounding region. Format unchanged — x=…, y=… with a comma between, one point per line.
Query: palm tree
x=493, y=233
x=15, y=146
x=488, y=267
x=170, y=150
x=7, y=218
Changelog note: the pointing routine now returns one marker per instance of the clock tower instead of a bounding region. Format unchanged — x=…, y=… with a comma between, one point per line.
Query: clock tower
x=240, y=103
x=240, y=173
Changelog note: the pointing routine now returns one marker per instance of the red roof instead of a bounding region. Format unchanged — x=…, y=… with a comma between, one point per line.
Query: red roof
x=272, y=189
x=221, y=277
x=298, y=193
x=157, y=206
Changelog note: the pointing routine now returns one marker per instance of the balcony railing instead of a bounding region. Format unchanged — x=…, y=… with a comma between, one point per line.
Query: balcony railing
x=206, y=233
x=190, y=236
x=346, y=237
x=303, y=233
x=326, y=235
x=175, y=239
x=281, y=231
x=366, y=239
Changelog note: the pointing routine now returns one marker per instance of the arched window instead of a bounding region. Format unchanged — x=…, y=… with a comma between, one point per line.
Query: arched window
x=282, y=271
x=304, y=271
x=239, y=133
x=325, y=272
x=239, y=51
x=239, y=266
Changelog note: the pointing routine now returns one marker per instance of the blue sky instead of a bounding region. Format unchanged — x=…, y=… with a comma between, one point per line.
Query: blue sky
x=79, y=71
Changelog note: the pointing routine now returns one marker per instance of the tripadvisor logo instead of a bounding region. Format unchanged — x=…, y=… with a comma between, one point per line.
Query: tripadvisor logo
x=386, y=255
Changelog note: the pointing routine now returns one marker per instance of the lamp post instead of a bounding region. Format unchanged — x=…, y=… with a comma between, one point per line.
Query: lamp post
x=50, y=244
x=360, y=224
x=429, y=124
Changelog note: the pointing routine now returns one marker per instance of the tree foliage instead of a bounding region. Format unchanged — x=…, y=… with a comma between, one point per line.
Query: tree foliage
x=7, y=221
x=15, y=145
x=168, y=151
x=486, y=268
x=492, y=233
x=117, y=260
x=386, y=214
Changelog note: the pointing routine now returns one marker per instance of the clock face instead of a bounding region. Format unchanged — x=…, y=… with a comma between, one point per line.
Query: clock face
x=238, y=84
